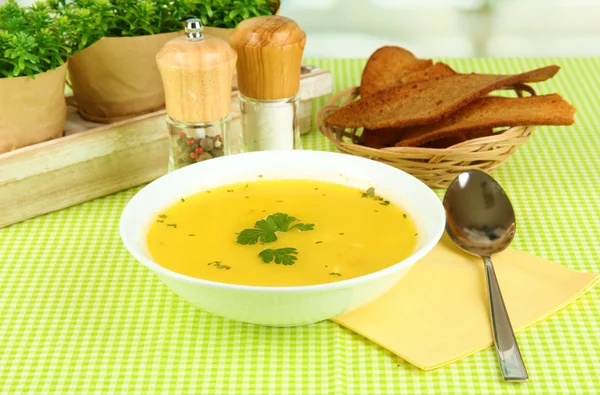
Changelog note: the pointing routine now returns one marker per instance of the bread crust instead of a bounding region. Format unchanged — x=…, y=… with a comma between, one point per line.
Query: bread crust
x=427, y=101
x=386, y=67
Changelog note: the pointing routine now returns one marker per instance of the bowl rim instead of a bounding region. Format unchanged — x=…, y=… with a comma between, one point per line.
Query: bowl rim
x=350, y=282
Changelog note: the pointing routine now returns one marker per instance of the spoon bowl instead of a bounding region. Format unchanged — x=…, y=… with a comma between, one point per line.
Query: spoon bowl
x=480, y=219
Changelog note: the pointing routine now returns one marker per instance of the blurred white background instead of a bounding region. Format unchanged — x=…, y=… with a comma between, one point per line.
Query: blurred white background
x=355, y=28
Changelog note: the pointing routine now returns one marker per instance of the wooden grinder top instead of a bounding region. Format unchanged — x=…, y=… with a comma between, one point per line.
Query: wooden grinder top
x=269, y=52
x=197, y=73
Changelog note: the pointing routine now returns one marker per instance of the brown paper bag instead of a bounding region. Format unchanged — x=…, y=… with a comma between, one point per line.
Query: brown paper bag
x=32, y=110
x=117, y=77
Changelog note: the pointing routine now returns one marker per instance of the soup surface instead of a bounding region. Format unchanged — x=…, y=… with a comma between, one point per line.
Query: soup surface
x=281, y=233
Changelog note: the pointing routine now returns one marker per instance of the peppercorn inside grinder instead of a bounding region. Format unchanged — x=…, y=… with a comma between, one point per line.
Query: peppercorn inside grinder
x=197, y=74
x=269, y=50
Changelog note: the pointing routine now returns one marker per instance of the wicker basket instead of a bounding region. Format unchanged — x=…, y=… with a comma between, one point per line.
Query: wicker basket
x=434, y=166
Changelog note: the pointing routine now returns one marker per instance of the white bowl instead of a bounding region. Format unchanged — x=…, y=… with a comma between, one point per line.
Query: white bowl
x=283, y=306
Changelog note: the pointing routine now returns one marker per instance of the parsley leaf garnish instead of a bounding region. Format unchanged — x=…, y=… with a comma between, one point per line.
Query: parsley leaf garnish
x=265, y=229
x=251, y=236
x=284, y=256
x=303, y=227
x=371, y=193
x=280, y=221
x=218, y=265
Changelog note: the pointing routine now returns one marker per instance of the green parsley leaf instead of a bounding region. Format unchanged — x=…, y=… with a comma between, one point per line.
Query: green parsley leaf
x=251, y=236
x=303, y=227
x=371, y=193
x=266, y=225
x=218, y=265
x=265, y=229
x=281, y=221
x=284, y=256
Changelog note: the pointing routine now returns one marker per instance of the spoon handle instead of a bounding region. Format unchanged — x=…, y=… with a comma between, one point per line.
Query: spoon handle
x=509, y=356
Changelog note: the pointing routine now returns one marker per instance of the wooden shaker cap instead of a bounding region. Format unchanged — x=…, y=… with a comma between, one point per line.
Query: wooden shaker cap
x=197, y=77
x=269, y=52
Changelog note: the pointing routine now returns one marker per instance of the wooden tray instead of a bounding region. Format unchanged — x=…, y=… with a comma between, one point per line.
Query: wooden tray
x=94, y=160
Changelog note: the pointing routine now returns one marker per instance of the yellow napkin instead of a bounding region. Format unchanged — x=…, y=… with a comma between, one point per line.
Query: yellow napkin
x=438, y=313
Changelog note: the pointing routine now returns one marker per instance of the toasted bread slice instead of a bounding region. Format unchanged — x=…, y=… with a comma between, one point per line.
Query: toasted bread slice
x=381, y=138
x=387, y=137
x=459, y=137
x=387, y=66
x=477, y=133
x=435, y=71
x=427, y=101
x=447, y=141
x=491, y=112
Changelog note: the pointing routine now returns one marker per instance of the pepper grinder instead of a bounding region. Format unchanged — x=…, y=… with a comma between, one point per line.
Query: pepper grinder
x=197, y=74
x=269, y=50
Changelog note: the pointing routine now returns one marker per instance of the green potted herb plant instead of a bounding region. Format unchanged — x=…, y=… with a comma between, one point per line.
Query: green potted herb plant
x=33, y=52
x=222, y=17
x=113, y=73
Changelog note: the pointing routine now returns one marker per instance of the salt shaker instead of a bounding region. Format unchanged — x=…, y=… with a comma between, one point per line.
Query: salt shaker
x=269, y=50
x=197, y=74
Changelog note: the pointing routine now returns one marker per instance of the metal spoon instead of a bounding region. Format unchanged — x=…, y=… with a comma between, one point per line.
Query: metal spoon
x=481, y=221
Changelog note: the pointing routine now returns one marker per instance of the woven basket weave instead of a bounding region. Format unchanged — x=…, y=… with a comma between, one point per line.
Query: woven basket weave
x=434, y=166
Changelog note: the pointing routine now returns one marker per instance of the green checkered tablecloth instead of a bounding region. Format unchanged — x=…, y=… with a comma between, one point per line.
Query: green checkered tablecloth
x=79, y=315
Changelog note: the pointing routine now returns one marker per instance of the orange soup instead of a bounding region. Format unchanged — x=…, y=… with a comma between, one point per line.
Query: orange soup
x=281, y=233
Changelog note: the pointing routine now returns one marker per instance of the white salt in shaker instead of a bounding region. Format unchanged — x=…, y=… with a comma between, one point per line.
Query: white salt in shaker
x=197, y=74
x=269, y=52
